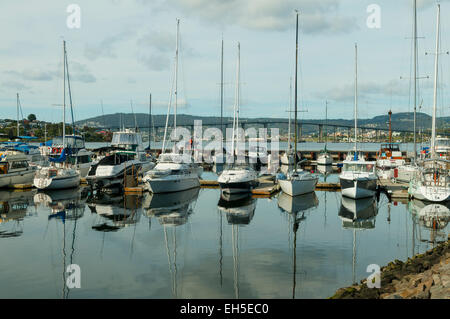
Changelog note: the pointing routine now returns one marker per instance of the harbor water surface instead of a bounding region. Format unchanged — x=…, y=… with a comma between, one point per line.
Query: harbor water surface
x=195, y=245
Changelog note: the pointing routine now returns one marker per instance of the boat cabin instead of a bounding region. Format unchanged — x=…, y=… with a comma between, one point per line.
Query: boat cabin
x=359, y=166
x=12, y=162
x=127, y=139
x=390, y=151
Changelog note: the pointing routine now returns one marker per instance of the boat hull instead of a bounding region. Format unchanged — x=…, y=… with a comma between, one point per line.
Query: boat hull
x=57, y=182
x=298, y=187
x=161, y=185
x=16, y=178
x=358, y=188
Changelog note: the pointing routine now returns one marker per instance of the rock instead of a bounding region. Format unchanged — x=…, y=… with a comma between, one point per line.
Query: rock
x=437, y=279
x=417, y=281
x=393, y=296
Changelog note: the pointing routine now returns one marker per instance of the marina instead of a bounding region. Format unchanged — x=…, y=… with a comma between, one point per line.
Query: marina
x=202, y=151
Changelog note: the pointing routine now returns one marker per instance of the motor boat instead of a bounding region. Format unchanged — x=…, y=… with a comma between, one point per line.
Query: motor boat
x=15, y=169
x=358, y=178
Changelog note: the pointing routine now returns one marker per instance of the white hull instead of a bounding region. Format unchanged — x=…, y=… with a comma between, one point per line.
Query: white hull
x=298, y=187
x=357, y=192
x=430, y=193
x=173, y=183
x=15, y=178
x=57, y=182
x=325, y=160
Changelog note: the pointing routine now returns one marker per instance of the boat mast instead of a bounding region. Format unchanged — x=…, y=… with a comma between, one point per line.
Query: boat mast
x=18, y=129
x=390, y=128
x=356, y=98
x=64, y=98
x=176, y=80
x=236, y=103
x=436, y=59
x=295, y=94
x=149, y=121
x=221, y=98
x=326, y=124
x=415, y=76
x=238, y=96
x=290, y=110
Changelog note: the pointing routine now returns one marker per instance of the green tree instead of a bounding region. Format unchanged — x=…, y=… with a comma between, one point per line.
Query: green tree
x=31, y=117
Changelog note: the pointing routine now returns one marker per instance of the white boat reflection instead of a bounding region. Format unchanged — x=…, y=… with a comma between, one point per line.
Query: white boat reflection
x=358, y=213
x=434, y=217
x=64, y=203
x=13, y=209
x=239, y=208
x=118, y=213
x=171, y=209
x=297, y=204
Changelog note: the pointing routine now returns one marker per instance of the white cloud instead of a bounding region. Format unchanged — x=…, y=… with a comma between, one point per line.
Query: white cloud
x=315, y=16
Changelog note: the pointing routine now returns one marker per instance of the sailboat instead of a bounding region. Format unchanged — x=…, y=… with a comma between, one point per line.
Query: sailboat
x=407, y=171
x=61, y=176
x=173, y=172
x=358, y=178
x=432, y=181
x=298, y=181
x=238, y=178
x=325, y=157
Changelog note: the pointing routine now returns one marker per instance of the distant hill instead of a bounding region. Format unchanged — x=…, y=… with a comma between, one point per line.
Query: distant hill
x=400, y=121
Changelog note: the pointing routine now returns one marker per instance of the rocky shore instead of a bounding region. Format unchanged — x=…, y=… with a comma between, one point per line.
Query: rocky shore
x=424, y=276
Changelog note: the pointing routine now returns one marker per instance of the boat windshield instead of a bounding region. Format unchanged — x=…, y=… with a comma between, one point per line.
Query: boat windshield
x=443, y=142
x=359, y=167
x=71, y=142
x=127, y=140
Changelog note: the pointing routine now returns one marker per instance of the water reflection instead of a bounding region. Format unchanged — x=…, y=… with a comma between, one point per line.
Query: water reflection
x=432, y=217
x=13, y=209
x=172, y=209
x=294, y=206
x=64, y=204
x=239, y=208
x=357, y=214
x=115, y=212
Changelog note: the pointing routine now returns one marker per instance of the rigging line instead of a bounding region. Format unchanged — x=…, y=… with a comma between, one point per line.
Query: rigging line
x=168, y=113
x=70, y=91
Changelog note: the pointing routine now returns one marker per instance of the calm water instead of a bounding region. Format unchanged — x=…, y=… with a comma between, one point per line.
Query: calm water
x=196, y=245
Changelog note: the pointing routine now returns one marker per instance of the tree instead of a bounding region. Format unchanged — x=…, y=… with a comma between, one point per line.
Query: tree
x=31, y=117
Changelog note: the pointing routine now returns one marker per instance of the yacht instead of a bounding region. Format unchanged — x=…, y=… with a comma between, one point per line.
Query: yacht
x=389, y=156
x=15, y=169
x=432, y=181
x=172, y=173
x=358, y=178
x=79, y=157
x=442, y=147
x=297, y=181
x=31, y=152
x=126, y=157
x=237, y=177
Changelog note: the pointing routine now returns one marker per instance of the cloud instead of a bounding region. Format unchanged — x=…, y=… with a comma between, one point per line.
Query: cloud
x=425, y=4
x=106, y=47
x=157, y=47
x=15, y=85
x=315, y=16
x=32, y=75
x=346, y=93
x=80, y=72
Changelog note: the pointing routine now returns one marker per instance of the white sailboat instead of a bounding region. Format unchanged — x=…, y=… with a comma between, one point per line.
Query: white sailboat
x=358, y=178
x=298, y=181
x=432, y=180
x=173, y=172
x=237, y=178
x=63, y=176
x=324, y=156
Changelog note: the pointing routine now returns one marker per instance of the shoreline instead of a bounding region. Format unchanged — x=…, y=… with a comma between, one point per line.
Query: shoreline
x=424, y=276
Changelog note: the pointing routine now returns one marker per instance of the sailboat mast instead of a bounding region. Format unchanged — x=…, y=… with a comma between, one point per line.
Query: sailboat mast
x=18, y=129
x=436, y=59
x=290, y=111
x=415, y=77
x=221, y=97
x=64, y=98
x=176, y=79
x=326, y=124
x=238, y=96
x=295, y=94
x=149, y=121
x=356, y=96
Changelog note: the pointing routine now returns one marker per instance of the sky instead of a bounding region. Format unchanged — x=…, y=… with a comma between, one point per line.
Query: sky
x=124, y=50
